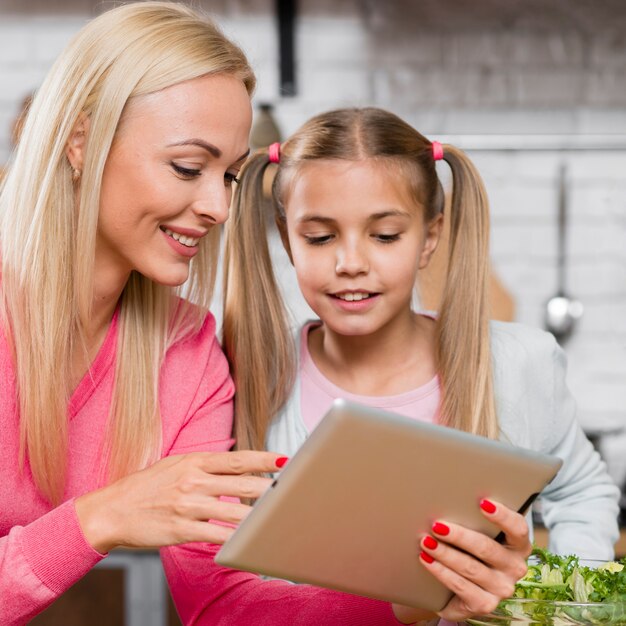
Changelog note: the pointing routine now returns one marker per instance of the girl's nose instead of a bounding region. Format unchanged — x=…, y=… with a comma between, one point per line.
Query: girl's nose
x=351, y=260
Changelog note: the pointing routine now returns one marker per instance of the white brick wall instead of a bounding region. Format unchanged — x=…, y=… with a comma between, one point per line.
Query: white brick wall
x=454, y=68
x=524, y=209
x=28, y=46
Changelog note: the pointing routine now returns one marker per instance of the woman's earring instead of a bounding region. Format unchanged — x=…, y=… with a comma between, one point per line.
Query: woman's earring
x=76, y=174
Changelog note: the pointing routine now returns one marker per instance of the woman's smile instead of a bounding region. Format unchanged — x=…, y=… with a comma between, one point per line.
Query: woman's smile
x=183, y=240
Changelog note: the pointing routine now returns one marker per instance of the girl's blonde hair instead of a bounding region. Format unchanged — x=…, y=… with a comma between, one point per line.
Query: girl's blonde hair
x=48, y=239
x=256, y=331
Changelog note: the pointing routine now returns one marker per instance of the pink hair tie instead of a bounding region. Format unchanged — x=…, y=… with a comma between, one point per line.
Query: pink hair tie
x=437, y=150
x=274, y=152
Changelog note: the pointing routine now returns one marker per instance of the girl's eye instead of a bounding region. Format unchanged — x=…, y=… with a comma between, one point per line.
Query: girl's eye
x=388, y=238
x=230, y=178
x=185, y=172
x=319, y=240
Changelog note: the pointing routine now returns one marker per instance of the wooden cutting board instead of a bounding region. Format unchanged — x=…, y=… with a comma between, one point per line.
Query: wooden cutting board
x=432, y=279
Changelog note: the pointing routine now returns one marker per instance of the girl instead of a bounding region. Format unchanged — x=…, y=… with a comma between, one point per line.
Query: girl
x=115, y=398
x=359, y=208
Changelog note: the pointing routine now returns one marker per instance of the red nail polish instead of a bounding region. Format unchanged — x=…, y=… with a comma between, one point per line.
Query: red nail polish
x=440, y=529
x=487, y=506
x=430, y=542
x=281, y=460
x=426, y=557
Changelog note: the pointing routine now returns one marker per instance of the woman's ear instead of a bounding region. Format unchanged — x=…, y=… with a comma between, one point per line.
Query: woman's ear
x=76, y=145
x=433, y=232
x=281, y=225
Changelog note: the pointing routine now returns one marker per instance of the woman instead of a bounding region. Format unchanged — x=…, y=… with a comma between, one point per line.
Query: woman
x=123, y=170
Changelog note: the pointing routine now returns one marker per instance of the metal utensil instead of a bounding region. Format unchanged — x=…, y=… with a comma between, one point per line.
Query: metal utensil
x=561, y=311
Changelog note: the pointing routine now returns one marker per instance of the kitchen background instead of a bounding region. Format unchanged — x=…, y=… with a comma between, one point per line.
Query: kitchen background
x=526, y=86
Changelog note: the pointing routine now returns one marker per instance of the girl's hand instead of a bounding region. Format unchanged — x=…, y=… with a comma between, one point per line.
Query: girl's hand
x=480, y=571
x=170, y=502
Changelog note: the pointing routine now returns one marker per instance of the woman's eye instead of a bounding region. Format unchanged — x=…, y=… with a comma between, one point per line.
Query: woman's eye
x=185, y=172
x=319, y=240
x=230, y=178
x=388, y=238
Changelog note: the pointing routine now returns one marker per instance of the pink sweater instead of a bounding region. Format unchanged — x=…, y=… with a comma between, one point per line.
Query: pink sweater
x=43, y=551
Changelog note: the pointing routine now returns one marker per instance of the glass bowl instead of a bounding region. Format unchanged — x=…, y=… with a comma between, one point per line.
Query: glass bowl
x=520, y=611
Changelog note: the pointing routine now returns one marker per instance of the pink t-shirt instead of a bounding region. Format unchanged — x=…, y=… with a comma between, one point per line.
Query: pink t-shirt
x=43, y=551
x=317, y=393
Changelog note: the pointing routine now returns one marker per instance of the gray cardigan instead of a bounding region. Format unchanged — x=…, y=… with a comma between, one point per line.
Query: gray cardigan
x=535, y=411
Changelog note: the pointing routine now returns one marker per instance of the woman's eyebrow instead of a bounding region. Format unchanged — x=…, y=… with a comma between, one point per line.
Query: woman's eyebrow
x=209, y=147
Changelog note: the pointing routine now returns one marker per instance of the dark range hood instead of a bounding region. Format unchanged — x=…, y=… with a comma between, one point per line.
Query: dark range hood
x=286, y=14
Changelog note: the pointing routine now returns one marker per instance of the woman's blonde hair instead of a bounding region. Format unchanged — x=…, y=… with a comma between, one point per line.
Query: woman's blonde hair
x=48, y=240
x=256, y=331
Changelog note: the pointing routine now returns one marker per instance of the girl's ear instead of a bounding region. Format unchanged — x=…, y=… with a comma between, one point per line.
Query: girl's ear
x=76, y=145
x=281, y=224
x=433, y=232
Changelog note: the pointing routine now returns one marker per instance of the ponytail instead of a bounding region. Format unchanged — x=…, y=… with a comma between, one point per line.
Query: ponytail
x=256, y=335
x=463, y=345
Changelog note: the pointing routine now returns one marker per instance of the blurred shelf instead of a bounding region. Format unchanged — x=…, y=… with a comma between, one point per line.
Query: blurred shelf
x=540, y=143
x=128, y=588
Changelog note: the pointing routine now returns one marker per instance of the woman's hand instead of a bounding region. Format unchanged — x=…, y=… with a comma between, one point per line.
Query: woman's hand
x=170, y=502
x=480, y=571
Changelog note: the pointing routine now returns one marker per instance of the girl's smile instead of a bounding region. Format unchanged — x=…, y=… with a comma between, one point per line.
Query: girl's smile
x=355, y=301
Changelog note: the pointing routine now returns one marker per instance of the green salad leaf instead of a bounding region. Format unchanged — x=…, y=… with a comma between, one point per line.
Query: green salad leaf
x=599, y=594
x=563, y=578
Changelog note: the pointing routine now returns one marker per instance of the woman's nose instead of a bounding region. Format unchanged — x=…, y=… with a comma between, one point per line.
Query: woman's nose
x=213, y=204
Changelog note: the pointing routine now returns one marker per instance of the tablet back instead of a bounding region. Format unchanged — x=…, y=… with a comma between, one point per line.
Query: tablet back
x=347, y=510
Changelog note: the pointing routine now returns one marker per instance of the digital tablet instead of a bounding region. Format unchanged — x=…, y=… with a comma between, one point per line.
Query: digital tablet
x=347, y=509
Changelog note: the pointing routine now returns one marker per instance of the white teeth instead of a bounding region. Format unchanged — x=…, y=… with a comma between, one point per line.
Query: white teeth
x=190, y=242
x=353, y=297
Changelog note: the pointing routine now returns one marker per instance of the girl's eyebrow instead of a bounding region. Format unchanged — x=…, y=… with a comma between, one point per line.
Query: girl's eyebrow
x=316, y=218
x=209, y=147
x=389, y=213
x=372, y=218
